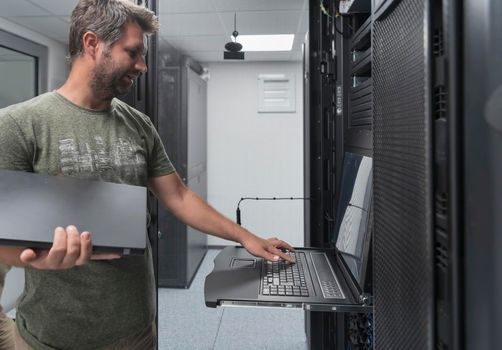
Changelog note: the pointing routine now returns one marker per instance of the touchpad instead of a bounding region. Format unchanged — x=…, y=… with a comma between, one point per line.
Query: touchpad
x=237, y=263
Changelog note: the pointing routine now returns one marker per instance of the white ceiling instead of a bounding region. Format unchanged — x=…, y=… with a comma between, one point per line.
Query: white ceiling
x=198, y=28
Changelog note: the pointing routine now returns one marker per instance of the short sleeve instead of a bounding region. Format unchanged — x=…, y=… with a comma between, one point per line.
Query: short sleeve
x=14, y=149
x=159, y=162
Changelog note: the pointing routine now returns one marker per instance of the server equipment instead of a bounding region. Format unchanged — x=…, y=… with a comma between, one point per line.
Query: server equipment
x=183, y=129
x=434, y=133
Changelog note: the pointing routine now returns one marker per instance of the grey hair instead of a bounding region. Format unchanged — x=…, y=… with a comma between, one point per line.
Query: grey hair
x=107, y=19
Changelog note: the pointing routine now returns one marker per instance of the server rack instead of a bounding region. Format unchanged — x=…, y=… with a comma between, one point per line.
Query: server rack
x=356, y=331
x=320, y=154
x=461, y=165
x=388, y=73
x=182, y=129
x=338, y=90
x=403, y=178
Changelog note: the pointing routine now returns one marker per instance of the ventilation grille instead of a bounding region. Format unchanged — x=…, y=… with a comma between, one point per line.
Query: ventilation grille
x=403, y=250
x=442, y=203
x=438, y=46
x=439, y=102
x=441, y=256
x=361, y=99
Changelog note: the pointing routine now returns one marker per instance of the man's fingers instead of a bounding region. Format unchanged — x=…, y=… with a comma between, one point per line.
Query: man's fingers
x=58, y=250
x=72, y=247
x=280, y=254
x=85, y=249
x=281, y=244
x=270, y=256
x=105, y=256
x=267, y=249
x=28, y=255
x=69, y=249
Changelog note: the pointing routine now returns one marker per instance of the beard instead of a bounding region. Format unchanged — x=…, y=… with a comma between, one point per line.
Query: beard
x=108, y=80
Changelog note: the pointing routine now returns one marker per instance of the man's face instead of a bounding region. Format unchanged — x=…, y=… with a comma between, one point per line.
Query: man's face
x=120, y=64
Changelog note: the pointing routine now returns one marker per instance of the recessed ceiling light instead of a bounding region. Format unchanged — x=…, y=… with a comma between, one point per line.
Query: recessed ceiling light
x=281, y=42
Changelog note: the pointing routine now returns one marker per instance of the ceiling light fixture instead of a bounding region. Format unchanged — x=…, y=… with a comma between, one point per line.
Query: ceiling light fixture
x=233, y=48
x=279, y=42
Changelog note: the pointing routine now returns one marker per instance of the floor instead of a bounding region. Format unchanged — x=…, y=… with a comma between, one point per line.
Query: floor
x=186, y=323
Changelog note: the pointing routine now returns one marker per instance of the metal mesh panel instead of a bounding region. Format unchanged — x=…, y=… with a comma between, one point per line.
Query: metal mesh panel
x=403, y=274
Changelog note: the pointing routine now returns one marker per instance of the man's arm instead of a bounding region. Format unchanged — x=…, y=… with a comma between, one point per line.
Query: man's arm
x=192, y=210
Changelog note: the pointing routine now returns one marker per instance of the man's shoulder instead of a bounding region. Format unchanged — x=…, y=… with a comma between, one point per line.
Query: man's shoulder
x=124, y=108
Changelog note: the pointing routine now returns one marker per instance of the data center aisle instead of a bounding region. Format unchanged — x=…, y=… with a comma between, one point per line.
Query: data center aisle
x=186, y=323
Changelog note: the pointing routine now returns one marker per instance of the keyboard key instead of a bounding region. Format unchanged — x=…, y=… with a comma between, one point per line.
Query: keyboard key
x=283, y=278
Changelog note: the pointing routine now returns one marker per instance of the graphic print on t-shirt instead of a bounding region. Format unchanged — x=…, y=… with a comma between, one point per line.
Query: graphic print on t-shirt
x=121, y=158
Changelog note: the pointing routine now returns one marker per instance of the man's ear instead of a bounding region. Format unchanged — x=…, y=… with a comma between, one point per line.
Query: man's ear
x=90, y=43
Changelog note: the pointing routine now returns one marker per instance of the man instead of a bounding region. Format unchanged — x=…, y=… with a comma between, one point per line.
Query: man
x=74, y=299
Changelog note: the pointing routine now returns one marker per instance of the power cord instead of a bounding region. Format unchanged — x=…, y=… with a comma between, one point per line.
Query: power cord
x=238, y=211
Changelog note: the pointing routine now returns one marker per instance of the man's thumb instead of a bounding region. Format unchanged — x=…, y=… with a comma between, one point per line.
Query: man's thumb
x=28, y=256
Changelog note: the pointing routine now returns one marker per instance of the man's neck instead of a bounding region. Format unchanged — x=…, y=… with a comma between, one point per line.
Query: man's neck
x=77, y=89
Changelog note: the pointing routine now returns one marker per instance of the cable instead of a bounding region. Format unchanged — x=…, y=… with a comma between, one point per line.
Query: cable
x=339, y=31
x=325, y=11
x=238, y=211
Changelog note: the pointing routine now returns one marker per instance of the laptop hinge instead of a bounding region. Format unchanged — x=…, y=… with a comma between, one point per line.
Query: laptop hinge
x=357, y=293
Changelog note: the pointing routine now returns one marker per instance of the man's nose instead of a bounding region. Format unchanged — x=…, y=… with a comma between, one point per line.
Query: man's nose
x=141, y=65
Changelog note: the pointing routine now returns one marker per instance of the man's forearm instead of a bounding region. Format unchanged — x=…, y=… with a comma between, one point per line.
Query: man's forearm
x=192, y=210
x=11, y=256
x=195, y=212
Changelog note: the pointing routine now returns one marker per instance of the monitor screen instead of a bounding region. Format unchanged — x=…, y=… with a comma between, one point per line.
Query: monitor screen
x=353, y=213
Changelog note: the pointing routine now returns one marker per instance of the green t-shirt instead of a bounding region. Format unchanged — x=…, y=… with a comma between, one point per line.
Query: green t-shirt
x=91, y=306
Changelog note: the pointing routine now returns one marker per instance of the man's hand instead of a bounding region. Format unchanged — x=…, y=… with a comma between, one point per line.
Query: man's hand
x=269, y=249
x=70, y=248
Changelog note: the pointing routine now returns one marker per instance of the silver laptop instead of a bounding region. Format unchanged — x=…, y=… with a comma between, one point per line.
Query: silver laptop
x=322, y=279
x=33, y=205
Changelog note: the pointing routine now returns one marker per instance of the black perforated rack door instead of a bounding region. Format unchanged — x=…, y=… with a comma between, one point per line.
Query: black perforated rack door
x=403, y=270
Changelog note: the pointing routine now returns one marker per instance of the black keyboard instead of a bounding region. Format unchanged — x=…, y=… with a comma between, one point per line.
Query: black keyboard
x=284, y=279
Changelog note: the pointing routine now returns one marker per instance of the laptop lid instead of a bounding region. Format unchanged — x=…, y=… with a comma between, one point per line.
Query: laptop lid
x=33, y=205
x=352, y=234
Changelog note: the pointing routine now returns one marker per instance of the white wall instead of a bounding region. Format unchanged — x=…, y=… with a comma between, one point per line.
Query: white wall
x=253, y=154
x=56, y=75
x=57, y=67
